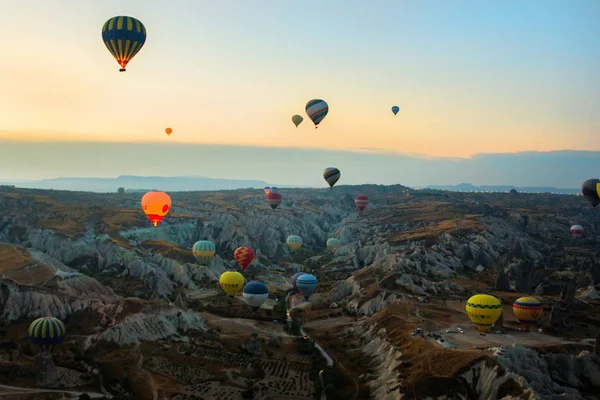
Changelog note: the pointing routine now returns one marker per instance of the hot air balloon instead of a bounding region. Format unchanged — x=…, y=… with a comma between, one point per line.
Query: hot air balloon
x=204, y=251
x=231, y=282
x=169, y=131
x=297, y=120
x=156, y=205
x=274, y=189
x=255, y=294
x=316, y=110
x=577, y=231
x=123, y=37
x=294, y=242
x=361, y=201
x=307, y=285
x=332, y=175
x=295, y=281
x=528, y=311
x=483, y=310
x=267, y=190
x=48, y=333
x=293, y=268
x=333, y=243
x=395, y=109
x=591, y=192
x=274, y=199
x=244, y=256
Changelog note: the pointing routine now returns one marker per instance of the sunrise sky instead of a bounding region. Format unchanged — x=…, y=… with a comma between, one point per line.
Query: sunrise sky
x=469, y=76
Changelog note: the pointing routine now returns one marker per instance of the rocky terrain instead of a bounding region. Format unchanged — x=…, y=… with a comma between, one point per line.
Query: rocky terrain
x=144, y=320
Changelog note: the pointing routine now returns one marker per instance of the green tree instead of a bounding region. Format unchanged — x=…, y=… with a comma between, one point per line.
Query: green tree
x=121, y=190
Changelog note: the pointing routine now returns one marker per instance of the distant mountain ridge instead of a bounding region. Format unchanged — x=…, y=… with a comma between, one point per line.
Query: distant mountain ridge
x=140, y=183
x=467, y=187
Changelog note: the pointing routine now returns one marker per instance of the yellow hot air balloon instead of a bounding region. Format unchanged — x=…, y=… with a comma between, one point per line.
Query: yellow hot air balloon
x=528, y=310
x=232, y=282
x=483, y=310
x=294, y=242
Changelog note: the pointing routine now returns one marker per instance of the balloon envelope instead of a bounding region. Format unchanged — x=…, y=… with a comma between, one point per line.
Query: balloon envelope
x=316, y=110
x=395, y=109
x=244, y=256
x=274, y=199
x=577, y=231
x=255, y=294
x=169, y=131
x=307, y=285
x=590, y=190
x=483, y=310
x=231, y=282
x=123, y=37
x=48, y=333
x=333, y=243
x=156, y=205
x=332, y=175
x=294, y=242
x=267, y=190
x=297, y=119
x=361, y=201
x=204, y=251
x=528, y=310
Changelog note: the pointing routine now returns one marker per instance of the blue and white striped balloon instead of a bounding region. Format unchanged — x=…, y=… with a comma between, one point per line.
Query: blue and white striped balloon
x=307, y=285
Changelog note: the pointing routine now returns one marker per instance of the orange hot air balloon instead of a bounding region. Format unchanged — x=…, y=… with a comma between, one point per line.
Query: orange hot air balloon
x=156, y=205
x=169, y=131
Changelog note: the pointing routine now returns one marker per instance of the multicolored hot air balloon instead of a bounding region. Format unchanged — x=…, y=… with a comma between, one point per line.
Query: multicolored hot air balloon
x=274, y=199
x=168, y=131
x=483, y=310
x=156, y=205
x=395, y=109
x=48, y=333
x=316, y=110
x=244, y=256
x=577, y=231
x=333, y=243
x=297, y=120
x=307, y=285
x=361, y=201
x=591, y=191
x=123, y=37
x=255, y=294
x=267, y=190
x=295, y=281
x=332, y=175
x=528, y=311
x=204, y=251
x=231, y=282
x=294, y=242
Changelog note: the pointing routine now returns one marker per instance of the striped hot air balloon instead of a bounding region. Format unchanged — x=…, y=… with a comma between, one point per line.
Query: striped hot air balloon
x=124, y=37
x=204, y=251
x=244, y=256
x=255, y=294
x=528, y=311
x=307, y=285
x=48, y=333
x=332, y=175
x=231, y=282
x=316, y=110
x=361, y=201
x=274, y=199
x=483, y=310
x=294, y=242
x=333, y=243
x=577, y=231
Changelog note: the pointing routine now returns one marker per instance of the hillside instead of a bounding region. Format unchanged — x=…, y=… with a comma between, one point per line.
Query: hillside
x=144, y=320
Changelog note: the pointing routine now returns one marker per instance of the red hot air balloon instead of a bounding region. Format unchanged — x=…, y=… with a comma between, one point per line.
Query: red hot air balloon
x=361, y=201
x=274, y=199
x=577, y=231
x=244, y=256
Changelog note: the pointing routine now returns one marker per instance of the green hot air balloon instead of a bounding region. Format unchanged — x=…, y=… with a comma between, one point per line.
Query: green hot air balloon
x=297, y=120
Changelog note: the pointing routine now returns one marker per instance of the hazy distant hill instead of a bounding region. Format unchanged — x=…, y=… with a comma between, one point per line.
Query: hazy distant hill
x=467, y=187
x=129, y=182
